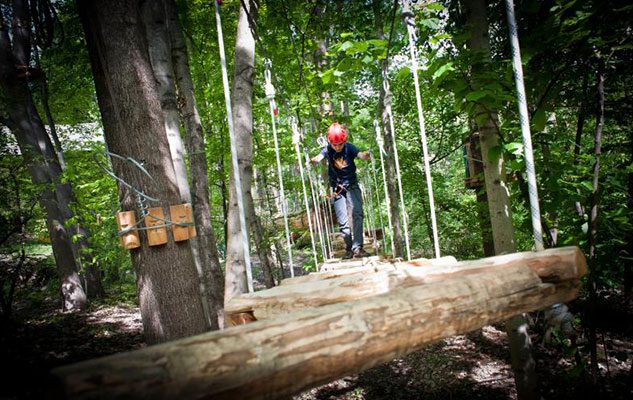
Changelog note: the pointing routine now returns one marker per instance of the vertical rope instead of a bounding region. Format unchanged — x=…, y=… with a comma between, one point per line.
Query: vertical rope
x=379, y=209
x=525, y=128
x=315, y=203
x=381, y=150
x=236, y=171
x=403, y=208
x=270, y=94
x=410, y=23
x=296, y=139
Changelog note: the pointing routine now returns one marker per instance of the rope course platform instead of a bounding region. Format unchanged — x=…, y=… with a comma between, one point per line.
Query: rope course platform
x=311, y=332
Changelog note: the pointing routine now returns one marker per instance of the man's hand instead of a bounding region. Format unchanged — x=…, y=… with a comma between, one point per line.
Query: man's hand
x=364, y=155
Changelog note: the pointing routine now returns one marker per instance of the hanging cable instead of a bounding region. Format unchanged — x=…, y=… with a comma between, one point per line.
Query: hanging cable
x=403, y=208
x=525, y=128
x=270, y=95
x=381, y=150
x=236, y=171
x=317, y=208
x=379, y=209
x=409, y=21
x=296, y=139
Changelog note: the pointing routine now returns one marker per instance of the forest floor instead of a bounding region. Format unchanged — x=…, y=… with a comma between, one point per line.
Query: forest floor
x=472, y=366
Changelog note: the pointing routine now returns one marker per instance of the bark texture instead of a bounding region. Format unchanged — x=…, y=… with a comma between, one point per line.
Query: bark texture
x=134, y=127
x=552, y=266
x=205, y=244
x=282, y=356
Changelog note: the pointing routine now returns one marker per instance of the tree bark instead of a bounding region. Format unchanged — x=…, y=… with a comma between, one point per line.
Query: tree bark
x=280, y=357
x=523, y=363
x=552, y=266
x=134, y=127
x=243, y=78
x=38, y=151
x=204, y=244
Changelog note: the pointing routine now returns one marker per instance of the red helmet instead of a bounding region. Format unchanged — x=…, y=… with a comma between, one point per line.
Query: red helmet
x=337, y=134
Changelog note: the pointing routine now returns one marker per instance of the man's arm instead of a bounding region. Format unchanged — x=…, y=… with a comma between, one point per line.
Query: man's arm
x=317, y=159
x=364, y=155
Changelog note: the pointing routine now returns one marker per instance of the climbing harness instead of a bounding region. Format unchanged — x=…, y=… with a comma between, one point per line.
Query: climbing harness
x=408, y=19
x=270, y=95
x=236, y=170
x=525, y=128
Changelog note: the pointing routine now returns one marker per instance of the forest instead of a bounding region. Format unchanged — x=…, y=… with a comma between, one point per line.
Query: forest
x=156, y=182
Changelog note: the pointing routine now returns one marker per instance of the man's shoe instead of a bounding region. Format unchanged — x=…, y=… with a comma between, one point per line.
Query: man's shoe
x=348, y=254
x=360, y=253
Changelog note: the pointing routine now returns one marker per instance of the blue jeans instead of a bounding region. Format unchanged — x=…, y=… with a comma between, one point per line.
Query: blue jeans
x=351, y=199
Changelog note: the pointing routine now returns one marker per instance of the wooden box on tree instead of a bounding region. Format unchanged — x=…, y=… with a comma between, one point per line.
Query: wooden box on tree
x=126, y=220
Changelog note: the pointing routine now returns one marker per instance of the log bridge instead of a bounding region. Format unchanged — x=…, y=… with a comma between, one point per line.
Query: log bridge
x=317, y=328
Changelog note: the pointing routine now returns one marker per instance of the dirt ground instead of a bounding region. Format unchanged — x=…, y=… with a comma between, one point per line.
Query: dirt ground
x=472, y=366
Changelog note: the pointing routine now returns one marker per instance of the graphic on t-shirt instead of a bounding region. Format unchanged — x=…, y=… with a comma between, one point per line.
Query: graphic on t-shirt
x=340, y=163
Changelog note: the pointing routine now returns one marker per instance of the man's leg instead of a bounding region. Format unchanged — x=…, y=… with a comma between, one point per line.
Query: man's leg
x=355, y=199
x=340, y=208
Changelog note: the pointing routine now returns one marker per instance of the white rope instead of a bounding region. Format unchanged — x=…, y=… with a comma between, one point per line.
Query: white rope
x=314, y=195
x=270, y=95
x=405, y=220
x=410, y=23
x=236, y=171
x=379, y=209
x=381, y=150
x=525, y=128
x=296, y=139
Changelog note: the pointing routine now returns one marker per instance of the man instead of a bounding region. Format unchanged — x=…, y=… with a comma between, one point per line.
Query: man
x=344, y=187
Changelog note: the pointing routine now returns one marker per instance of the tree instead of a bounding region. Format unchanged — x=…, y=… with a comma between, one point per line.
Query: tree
x=134, y=128
x=37, y=149
x=498, y=194
x=205, y=246
x=242, y=103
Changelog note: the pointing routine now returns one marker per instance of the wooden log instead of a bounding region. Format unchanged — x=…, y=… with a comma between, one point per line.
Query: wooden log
x=553, y=265
x=336, y=264
x=371, y=266
x=279, y=357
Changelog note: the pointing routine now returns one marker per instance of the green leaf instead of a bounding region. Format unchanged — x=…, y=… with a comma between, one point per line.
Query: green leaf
x=587, y=185
x=539, y=120
x=403, y=73
x=443, y=69
x=515, y=148
x=358, y=47
x=476, y=95
x=327, y=77
x=346, y=45
x=346, y=35
x=494, y=153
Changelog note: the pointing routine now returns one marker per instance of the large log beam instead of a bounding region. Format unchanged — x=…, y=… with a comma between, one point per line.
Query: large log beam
x=552, y=265
x=279, y=357
x=373, y=265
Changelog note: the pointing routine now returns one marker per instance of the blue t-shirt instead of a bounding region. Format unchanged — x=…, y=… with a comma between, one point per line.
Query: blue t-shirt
x=341, y=166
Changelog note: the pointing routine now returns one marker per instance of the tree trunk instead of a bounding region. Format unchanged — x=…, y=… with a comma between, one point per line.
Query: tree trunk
x=523, y=363
x=280, y=357
x=552, y=266
x=243, y=78
x=134, y=127
x=592, y=240
x=204, y=243
x=38, y=152
x=385, y=113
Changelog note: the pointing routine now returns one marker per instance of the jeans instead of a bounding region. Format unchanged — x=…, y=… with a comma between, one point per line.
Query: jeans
x=350, y=199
